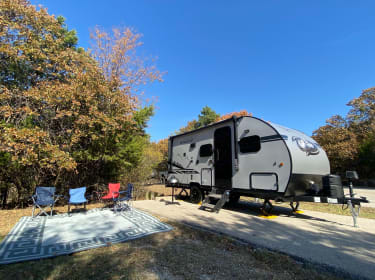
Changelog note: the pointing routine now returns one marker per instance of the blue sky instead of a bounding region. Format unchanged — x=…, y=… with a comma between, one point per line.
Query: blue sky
x=295, y=63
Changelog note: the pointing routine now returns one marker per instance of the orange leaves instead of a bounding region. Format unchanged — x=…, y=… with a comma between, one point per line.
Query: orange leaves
x=237, y=114
x=117, y=59
x=209, y=116
x=344, y=138
x=190, y=126
x=59, y=108
x=162, y=146
x=32, y=146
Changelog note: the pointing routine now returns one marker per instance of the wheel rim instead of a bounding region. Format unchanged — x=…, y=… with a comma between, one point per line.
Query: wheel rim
x=195, y=195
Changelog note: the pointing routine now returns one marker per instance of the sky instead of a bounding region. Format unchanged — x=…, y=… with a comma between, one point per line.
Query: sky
x=295, y=63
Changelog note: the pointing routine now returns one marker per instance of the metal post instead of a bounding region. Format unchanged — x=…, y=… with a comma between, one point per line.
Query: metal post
x=172, y=195
x=354, y=212
x=351, y=188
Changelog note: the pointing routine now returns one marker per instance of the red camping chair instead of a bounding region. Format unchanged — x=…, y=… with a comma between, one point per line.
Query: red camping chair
x=113, y=193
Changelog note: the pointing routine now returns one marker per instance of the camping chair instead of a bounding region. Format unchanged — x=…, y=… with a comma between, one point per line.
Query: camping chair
x=122, y=203
x=112, y=193
x=44, y=197
x=77, y=196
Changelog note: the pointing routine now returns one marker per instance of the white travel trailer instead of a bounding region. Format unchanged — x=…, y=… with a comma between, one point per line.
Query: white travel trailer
x=247, y=156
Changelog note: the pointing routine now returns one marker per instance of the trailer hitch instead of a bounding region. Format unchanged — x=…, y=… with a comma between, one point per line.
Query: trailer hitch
x=352, y=175
x=355, y=213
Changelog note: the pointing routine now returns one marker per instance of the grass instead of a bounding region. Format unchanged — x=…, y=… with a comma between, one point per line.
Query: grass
x=365, y=212
x=183, y=253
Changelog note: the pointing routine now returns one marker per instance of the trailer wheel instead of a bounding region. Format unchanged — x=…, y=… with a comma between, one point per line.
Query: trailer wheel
x=196, y=195
x=233, y=199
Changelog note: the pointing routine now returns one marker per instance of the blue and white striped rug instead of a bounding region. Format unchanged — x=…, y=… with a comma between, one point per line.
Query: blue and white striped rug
x=44, y=237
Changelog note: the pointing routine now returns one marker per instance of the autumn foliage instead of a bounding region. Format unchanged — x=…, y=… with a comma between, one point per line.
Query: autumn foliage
x=237, y=114
x=209, y=116
x=339, y=142
x=350, y=141
x=67, y=116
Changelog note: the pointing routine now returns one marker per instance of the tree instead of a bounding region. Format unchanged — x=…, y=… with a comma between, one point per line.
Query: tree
x=35, y=46
x=117, y=57
x=63, y=119
x=363, y=109
x=209, y=116
x=206, y=117
x=126, y=72
x=237, y=114
x=339, y=142
x=361, y=119
x=162, y=147
x=367, y=156
x=189, y=127
x=36, y=49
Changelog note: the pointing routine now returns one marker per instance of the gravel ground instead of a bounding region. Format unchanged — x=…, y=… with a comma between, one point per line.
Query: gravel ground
x=317, y=237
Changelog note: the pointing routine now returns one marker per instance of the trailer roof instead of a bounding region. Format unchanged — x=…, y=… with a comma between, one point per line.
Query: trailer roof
x=234, y=118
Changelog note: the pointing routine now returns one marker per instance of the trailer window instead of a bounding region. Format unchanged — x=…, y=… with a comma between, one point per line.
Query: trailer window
x=250, y=144
x=205, y=150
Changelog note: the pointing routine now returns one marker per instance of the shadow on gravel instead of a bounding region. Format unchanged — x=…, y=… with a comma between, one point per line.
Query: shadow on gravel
x=253, y=208
x=167, y=202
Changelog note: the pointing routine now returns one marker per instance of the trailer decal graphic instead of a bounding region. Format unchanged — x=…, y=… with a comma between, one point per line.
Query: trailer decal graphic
x=271, y=138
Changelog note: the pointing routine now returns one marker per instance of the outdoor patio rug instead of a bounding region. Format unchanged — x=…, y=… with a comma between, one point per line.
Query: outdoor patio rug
x=44, y=237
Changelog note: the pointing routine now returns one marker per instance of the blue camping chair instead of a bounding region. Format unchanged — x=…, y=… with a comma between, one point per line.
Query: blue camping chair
x=77, y=196
x=124, y=202
x=44, y=197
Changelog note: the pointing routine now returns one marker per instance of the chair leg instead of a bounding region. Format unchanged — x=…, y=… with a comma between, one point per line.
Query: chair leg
x=42, y=210
x=68, y=209
x=33, y=210
x=51, y=210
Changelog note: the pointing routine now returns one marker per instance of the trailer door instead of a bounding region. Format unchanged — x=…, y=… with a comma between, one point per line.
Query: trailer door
x=223, y=157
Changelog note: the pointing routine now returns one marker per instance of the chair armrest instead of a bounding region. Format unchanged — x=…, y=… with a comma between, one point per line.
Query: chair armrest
x=98, y=194
x=114, y=193
x=57, y=196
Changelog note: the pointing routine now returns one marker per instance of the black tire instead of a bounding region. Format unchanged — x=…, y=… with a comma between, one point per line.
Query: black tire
x=196, y=195
x=233, y=199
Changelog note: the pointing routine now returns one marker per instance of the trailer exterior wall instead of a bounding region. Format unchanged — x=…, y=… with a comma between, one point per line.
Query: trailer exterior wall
x=267, y=169
x=186, y=165
x=304, y=163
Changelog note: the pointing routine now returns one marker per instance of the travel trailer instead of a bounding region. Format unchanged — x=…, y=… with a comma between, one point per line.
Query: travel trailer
x=247, y=156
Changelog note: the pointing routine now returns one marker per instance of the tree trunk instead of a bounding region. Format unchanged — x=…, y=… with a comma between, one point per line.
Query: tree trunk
x=4, y=197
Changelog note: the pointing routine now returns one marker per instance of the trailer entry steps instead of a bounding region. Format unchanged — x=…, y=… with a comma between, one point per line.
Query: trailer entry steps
x=214, y=201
